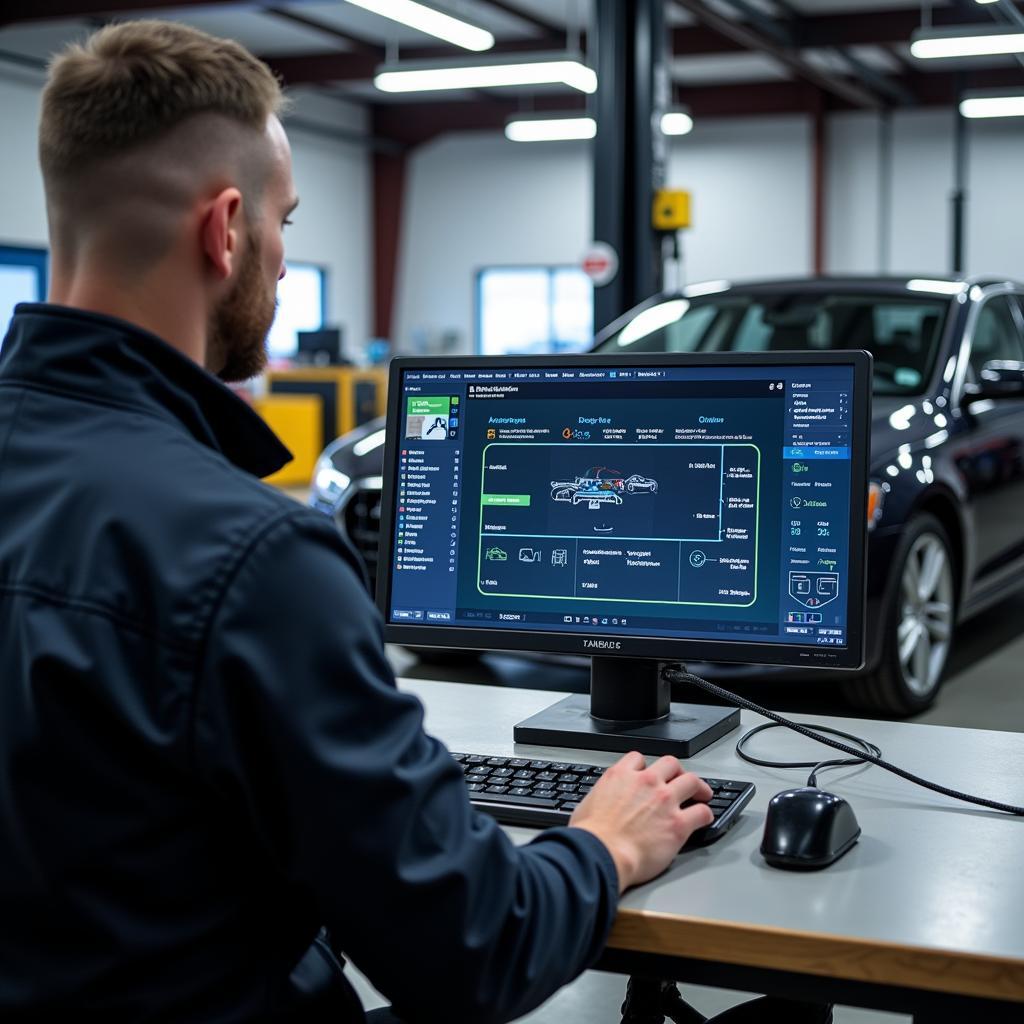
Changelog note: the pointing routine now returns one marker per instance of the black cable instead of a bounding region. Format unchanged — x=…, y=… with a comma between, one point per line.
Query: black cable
x=677, y=675
x=816, y=766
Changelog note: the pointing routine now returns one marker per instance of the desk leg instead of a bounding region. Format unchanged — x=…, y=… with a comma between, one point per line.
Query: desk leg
x=651, y=1000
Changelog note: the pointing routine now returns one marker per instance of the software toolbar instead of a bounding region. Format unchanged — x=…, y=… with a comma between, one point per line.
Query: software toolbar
x=694, y=502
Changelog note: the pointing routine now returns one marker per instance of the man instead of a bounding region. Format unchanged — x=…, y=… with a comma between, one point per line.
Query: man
x=203, y=755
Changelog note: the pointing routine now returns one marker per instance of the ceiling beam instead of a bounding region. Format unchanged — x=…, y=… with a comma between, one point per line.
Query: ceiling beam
x=827, y=30
x=751, y=39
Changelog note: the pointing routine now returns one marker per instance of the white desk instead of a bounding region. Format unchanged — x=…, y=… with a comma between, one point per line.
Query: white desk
x=925, y=915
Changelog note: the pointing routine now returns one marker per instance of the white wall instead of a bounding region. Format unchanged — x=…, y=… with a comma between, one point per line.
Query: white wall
x=475, y=200
x=920, y=229
x=332, y=225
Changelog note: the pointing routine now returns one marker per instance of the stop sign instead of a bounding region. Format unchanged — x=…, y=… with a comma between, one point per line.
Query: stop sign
x=600, y=263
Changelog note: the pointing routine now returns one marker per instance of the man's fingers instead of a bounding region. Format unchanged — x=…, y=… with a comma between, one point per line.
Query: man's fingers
x=689, y=786
x=697, y=816
x=634, y=760
x=667, y=768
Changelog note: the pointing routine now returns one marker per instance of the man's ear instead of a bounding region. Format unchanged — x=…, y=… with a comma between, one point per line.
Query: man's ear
x=219, y=232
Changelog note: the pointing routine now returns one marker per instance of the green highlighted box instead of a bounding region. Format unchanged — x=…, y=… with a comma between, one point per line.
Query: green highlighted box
x=517, y=500
x=429, y=406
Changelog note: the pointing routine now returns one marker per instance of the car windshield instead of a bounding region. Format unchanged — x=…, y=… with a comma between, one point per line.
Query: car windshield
x=901, y=333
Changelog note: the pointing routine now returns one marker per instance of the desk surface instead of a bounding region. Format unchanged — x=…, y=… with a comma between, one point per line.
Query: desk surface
x=931, y=897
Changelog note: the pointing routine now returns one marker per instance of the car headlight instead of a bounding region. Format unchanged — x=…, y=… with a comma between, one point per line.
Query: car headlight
x=876, y=499
x=329, y=484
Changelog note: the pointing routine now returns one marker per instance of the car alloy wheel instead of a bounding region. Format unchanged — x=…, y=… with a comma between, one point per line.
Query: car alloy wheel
x=926, y=601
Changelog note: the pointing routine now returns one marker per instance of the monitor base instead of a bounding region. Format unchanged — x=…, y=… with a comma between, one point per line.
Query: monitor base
x=686, y=729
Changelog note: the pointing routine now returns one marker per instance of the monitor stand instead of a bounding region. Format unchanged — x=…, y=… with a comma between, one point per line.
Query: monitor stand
x=628, y=709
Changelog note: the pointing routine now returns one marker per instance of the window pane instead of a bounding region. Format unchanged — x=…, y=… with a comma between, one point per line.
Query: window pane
x=995, y=336
x=17, y=284
x=515, y=314
x=572, y=310
x=300, y=297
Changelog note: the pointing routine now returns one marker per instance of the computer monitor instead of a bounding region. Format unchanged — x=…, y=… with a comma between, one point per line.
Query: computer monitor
x=638, y=509
x=321, y=347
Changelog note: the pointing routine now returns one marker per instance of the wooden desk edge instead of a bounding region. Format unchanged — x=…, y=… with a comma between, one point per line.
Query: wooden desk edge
x=850, y=959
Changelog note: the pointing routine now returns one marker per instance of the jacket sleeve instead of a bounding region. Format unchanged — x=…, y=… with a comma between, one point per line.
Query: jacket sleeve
x=299, y=719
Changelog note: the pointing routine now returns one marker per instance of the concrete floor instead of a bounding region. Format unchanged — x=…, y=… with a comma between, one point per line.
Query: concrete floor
x=984, y=689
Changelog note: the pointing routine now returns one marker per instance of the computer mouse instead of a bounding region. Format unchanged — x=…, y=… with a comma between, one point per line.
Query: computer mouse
x=807, y=828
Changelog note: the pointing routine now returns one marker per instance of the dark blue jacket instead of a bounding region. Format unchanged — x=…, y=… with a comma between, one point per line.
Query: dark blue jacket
x=203, y=754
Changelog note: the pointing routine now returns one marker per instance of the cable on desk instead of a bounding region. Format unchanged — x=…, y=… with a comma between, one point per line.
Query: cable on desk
x=680, y=675
x=815, y=766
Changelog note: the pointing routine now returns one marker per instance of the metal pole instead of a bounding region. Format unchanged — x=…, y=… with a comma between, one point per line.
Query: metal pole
x=629, y=151
x=884, y=190
x=959, y=180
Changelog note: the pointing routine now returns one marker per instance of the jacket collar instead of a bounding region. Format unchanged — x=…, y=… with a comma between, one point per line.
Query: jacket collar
x=114, y=362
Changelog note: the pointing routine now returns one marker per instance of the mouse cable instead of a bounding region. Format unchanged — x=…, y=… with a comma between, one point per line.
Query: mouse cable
x=815, y=766
x=679, y=675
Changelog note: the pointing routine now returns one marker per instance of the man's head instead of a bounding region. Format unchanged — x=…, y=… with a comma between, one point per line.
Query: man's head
x=168, y=182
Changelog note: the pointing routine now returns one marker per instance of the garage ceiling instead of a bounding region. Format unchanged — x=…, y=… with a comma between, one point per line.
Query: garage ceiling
x=729, y=57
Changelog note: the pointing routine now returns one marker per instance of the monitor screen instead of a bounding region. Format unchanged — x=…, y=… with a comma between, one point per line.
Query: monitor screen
x=688, y=506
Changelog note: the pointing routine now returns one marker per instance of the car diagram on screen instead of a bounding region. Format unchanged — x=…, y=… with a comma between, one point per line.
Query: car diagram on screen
x=813, y=589
x=601, y=486
x=669, y=522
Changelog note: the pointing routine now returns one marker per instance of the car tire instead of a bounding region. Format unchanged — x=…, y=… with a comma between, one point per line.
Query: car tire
x=919, y=624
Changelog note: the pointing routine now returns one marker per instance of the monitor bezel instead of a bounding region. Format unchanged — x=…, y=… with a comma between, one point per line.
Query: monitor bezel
x=614, y=645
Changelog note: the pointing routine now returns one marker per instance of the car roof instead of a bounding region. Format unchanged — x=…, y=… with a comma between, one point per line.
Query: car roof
x=822, y=284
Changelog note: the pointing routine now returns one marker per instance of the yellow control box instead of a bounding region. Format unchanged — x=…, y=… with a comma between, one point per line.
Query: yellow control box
x=671, y=210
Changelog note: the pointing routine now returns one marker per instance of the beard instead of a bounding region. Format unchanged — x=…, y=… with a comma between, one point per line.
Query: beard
x=238, y=328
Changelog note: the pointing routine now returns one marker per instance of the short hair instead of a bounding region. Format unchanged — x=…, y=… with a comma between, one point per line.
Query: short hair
x=132, y=82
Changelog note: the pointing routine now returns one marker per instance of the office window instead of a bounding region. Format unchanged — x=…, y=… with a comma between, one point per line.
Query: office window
x=22, y=279
x=301, y=303
x=527, y=310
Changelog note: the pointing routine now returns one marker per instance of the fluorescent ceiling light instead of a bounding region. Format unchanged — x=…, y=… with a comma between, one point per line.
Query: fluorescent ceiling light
x=966, y=41
x=652, y=319
x=539, y=69
x=937, y=287
x=430, y=21
x=986, y=1
x=550, y=128
x=676, y=122
x=1005, y=103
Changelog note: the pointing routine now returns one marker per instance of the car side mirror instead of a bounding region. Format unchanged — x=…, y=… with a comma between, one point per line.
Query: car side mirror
x=1000, y=378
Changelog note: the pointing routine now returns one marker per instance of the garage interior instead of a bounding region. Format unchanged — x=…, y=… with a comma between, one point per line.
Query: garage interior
x=815, y=143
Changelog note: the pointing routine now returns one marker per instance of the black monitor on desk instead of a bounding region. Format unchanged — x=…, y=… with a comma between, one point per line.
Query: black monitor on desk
x=637, y=509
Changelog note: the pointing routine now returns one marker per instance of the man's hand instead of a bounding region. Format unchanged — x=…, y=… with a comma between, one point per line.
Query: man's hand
x=635, y=811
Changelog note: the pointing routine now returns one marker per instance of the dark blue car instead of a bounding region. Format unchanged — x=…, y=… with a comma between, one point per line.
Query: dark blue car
x=946, y=510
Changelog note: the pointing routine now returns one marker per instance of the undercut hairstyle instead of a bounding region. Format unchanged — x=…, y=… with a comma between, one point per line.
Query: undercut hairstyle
x=133, y=82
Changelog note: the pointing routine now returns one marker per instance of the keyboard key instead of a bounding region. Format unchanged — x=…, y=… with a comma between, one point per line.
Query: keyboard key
x=569, y=806
x=523, y=801
x=560, y=766
x=525, y=773
x=519, y=791
x=719, y=803
x=567, y=787
x=568, y=777
x=480, y=769
x=500, y=773
x=497, y=789
x=459, y=757
x=540, y=765
x=476, y=759
x=589, y=780
x=582, y=769
x=738, y=787
x=475, y=787
x=518, y=762
x=543, y=787
x=499, y=762
x=546, y=777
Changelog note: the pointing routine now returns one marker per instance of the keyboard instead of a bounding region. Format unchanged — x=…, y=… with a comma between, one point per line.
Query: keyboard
x=522, y=791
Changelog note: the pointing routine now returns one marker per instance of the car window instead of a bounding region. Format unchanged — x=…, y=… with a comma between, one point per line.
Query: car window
x=995, y=335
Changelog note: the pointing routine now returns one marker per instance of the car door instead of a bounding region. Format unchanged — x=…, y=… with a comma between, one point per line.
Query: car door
x=990, y=455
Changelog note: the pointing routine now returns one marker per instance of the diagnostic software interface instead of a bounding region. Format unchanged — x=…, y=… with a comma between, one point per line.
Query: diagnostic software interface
x=703, y=502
